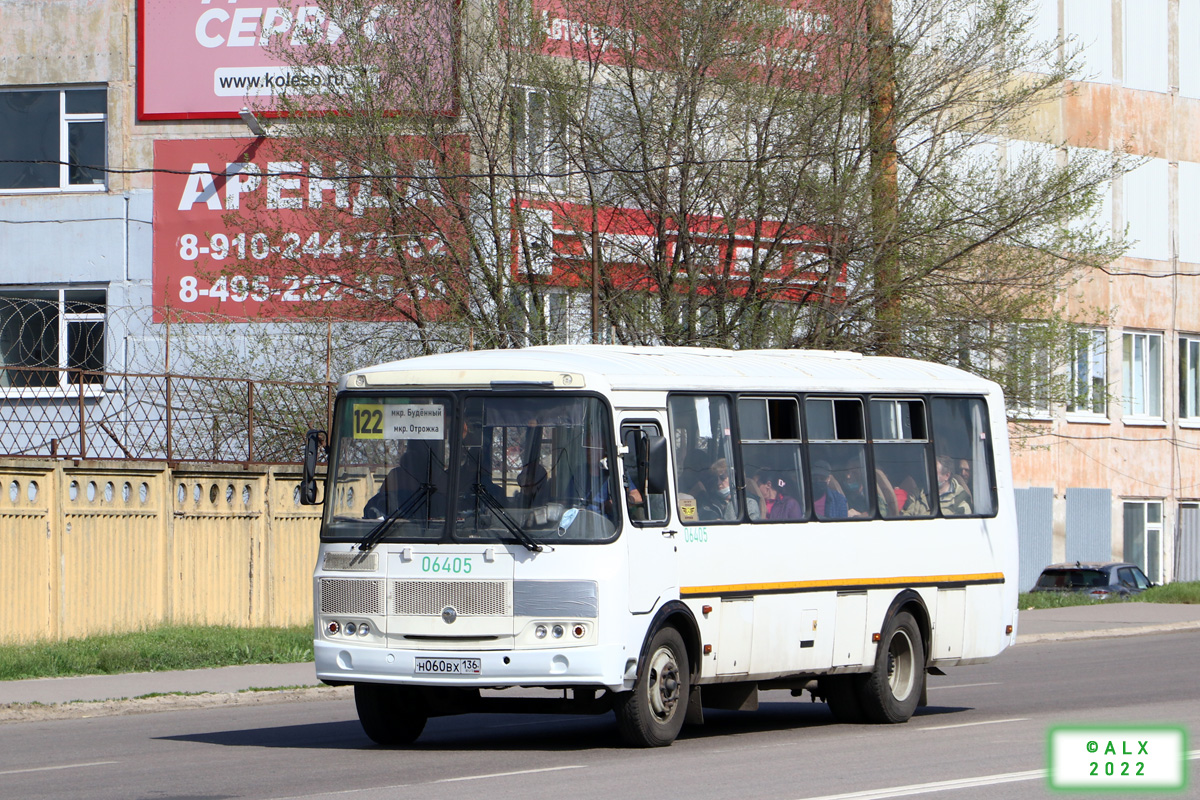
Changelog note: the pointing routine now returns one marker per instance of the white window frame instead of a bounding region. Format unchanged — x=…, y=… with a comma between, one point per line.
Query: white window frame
x=65, y=121
x=536, y=173
x=1090, y=362
x=64, y=386
x=1144, y=44
x=1189, y=380
x=1035, y=369
x=1141, y=390
x=1149, y=527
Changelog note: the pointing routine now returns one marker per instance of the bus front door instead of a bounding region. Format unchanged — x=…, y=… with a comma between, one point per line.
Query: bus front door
x=650, y=541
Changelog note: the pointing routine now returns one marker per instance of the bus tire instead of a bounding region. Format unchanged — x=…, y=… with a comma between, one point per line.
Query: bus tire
x=390, y=715
x=890, y=693
x=652, y=714
x=841, y=693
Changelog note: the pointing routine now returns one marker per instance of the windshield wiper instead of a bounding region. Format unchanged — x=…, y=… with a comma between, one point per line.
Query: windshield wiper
x=413, y=504
x=507, y=521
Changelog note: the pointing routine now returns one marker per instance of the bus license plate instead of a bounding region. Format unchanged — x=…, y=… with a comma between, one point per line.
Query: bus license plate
x=447, y=666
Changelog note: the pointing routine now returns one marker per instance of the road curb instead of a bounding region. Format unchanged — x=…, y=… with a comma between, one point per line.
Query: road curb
x=1107, y=633
x=126, y=706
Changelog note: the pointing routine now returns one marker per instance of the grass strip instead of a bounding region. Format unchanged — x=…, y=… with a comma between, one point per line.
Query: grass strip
x=166, y=648
x=1183, y=593
x=171, y=648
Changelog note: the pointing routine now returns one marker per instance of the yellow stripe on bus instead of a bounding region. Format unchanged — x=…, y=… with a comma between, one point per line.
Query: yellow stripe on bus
x=925, y=580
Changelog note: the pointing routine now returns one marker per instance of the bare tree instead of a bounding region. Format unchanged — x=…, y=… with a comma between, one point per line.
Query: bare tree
x=847, y=174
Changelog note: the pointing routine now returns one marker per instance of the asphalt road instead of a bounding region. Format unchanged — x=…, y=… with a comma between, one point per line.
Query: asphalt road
x=983, y=736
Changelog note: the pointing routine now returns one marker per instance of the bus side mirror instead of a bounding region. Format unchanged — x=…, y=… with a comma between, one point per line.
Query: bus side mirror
x=308, y=484
x=652, y=463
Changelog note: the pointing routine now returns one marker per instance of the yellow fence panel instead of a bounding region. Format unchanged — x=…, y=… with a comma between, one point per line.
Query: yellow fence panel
x=292, y=553
x=218, y=557
x=27, y=554
x=113, y=552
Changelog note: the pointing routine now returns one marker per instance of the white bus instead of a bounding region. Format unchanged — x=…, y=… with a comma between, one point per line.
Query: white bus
x=656, y=531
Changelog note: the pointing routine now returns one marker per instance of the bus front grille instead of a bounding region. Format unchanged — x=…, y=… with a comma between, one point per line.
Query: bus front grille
x=348, y=596
x=467, y=598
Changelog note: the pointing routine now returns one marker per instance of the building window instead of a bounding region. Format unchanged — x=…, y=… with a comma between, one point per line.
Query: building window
x=1189, y=378
x=51, y=338
x=1143, y=536
x=53, y=139
x=1141, y=375
x=1027, y=371
x=537, y=137
x=1089, y=373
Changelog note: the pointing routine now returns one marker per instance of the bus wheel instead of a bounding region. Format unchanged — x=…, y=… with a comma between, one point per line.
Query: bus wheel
x=890, y=693
x=390, y=715
x=841, y=694
x=652, y=714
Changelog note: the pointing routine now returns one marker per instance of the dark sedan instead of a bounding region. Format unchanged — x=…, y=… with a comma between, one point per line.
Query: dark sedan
x=1116, y=579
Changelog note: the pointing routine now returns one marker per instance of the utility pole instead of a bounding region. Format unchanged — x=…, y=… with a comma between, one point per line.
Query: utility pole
x=884, y=186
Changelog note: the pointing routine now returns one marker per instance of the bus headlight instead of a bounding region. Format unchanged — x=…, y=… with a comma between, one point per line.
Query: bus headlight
x=557, y=631
x=540, y=631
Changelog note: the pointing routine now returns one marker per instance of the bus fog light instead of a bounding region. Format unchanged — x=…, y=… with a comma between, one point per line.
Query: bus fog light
x=334, y=627
x=558, y=631
x=540, y=631
x=351, y=628
x=579, y=631
x=363, y=629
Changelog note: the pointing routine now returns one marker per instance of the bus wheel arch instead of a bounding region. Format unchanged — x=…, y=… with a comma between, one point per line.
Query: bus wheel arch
x=653, y=712
x=893, y=689
x=678, y=616
x=912, y=602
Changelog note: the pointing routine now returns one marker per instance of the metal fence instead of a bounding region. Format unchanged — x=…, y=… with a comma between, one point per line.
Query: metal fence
x=174, y=418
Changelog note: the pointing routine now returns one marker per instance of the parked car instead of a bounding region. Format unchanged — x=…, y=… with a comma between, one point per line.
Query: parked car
x=1116, y=579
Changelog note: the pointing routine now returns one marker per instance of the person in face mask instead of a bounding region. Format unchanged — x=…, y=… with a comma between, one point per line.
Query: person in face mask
x=722, y=498
x=853, y=486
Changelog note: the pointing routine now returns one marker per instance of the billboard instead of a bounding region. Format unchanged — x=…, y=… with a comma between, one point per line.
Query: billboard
x=805, y=37
x=551, y=243
x=243, y=230
x=207, y=59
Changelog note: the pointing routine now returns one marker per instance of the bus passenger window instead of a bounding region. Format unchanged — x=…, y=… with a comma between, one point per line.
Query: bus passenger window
x=963, y=452
x=770, y=436
x=837, y=447
x=900, y=446
x=700, y=435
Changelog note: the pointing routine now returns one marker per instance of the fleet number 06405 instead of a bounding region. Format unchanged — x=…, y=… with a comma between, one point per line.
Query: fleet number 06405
x=454, y=565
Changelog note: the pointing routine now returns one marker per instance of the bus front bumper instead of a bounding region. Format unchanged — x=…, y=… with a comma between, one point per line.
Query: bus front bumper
x=610, y=666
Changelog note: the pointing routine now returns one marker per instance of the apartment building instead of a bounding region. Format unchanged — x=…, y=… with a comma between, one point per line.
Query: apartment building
x=1115, y=472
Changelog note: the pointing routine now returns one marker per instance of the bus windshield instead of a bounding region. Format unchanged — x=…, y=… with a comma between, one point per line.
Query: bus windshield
x=478, y=467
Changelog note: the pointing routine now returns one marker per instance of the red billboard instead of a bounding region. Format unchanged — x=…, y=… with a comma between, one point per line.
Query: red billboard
x=201, y=59
x=805, y=38
x=557, y=236
x=243, y=229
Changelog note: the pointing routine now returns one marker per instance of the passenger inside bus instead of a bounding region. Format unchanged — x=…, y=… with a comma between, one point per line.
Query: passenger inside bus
x=963, y=473
x=953, y=497
x=754, y=502
x=709, y=505
x=778, y=497
x=828, y=500
x=912, y=498
x=419, y=471
x=726, y=500
x=534, y=486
